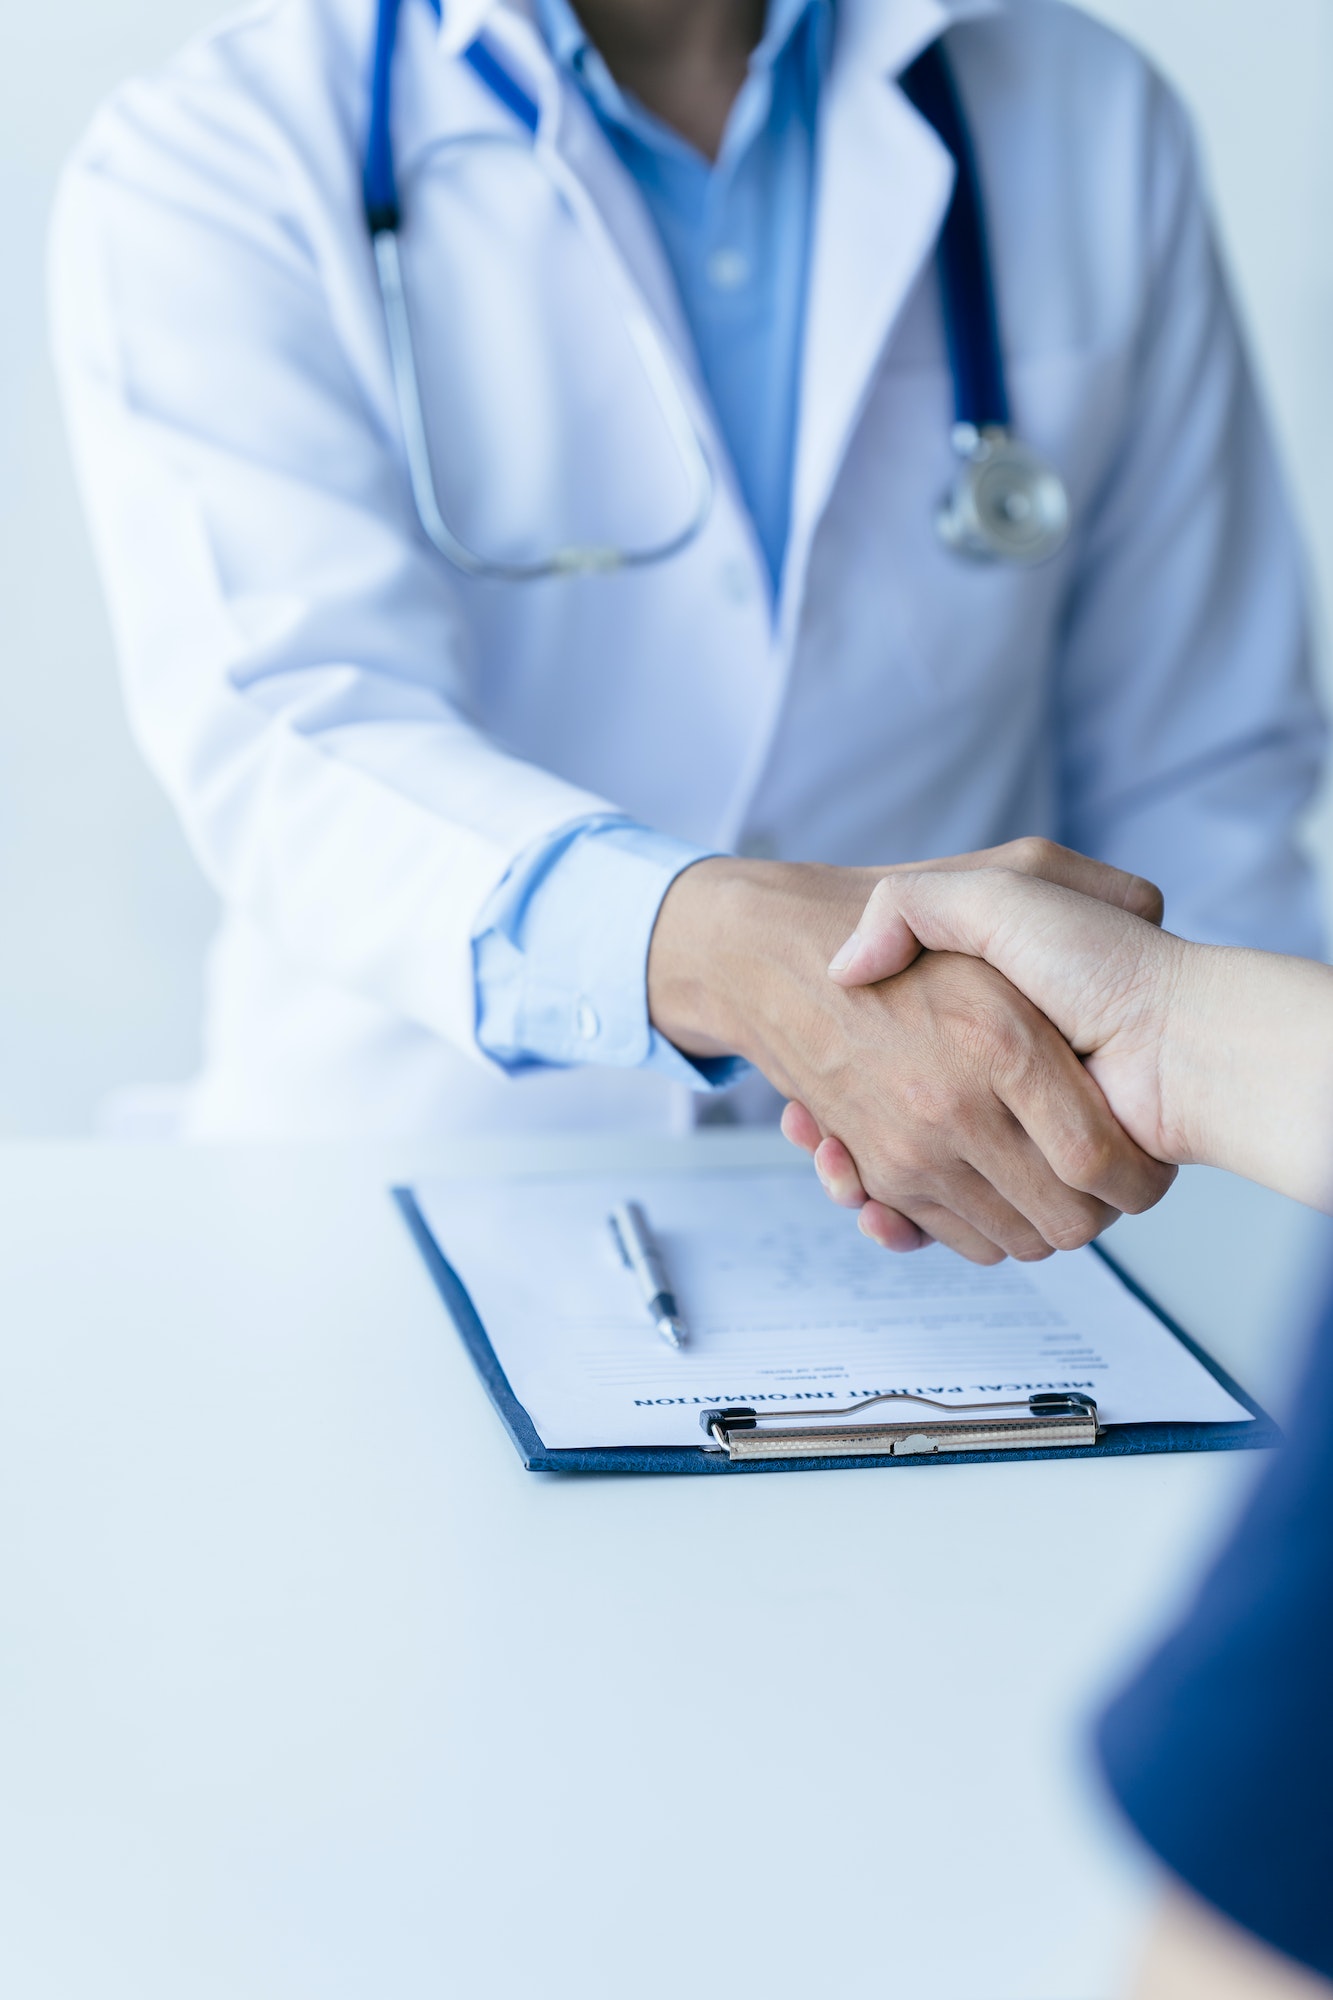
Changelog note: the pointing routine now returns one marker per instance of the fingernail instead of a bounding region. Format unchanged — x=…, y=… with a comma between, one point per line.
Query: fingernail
x=823, y=1177
x=843, y=958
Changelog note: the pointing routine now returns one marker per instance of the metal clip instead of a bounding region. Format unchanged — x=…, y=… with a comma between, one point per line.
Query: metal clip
x=1051, y=1419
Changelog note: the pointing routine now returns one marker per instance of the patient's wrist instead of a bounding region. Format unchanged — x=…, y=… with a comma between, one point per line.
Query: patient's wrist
x=1250, y=1051
x=1186, y=1019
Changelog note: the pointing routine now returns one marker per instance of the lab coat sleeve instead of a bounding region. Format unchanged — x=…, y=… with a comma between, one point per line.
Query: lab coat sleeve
x=295, y=664
x=1189, y=731
x=562, y=955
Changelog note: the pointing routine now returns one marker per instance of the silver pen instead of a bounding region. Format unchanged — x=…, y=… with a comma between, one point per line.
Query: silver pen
x=640, y=1255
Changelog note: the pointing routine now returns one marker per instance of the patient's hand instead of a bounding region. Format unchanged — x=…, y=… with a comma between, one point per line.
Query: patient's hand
x=1100, y=974
x=969, y=1117
x=1203, y=1054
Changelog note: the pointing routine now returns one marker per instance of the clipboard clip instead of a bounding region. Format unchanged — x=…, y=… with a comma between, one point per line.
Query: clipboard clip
x=1050, y=1419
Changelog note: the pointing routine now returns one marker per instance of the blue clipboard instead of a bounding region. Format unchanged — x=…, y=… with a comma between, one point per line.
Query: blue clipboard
x=1116, y=1441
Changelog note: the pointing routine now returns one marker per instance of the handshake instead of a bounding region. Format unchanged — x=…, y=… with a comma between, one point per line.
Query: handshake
x=1003, y=1051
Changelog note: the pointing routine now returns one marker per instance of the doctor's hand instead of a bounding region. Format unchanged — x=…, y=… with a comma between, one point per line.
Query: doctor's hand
x=963, y=1115
x=1204, y=1054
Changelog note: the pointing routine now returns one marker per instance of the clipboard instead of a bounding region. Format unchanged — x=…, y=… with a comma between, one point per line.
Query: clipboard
x=741, y=1441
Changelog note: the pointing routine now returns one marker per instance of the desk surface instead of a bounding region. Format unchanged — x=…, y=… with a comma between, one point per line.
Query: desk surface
x=309, y=1692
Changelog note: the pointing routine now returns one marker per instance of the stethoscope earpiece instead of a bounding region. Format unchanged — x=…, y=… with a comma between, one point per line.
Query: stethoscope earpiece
x=1007, y=505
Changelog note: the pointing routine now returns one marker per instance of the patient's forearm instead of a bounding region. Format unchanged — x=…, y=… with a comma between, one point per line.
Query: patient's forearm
x=1247, y=1069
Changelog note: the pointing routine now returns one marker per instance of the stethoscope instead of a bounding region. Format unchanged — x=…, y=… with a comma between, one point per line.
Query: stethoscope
x=1005, y=505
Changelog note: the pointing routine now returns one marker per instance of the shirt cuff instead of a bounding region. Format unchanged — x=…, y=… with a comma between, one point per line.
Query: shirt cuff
x=560, y=955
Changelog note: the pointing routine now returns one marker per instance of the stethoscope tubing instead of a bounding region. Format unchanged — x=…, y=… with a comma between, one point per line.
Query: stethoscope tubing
x=967, y=283
x=1005, y=504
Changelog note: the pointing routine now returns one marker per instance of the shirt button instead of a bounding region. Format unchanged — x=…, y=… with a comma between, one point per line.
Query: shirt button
x=728, y=270
x=588, y=1024
x=758, y=847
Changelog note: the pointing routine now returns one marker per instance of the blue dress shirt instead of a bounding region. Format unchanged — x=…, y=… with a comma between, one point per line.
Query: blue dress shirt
x=736, y=232
x=561, y=949
x=1221, y=1752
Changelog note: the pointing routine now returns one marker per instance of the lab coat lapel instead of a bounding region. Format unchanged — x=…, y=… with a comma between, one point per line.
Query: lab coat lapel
x=600, y=178
x=582, y=159
x=435, y=109
x=882, y=189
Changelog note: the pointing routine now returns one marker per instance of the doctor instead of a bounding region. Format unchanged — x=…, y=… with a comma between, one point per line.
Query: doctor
x=367, y=319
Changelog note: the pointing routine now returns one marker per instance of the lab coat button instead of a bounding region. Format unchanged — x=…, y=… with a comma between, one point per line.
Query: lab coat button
x=589, y=1025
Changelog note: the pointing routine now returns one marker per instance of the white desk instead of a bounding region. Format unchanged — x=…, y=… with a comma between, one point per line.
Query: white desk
x=309, y=1692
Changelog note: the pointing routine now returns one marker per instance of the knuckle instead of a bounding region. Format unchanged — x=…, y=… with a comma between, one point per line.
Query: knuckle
x=1034, y=1252
x=1148, y=1187
x=935, y=1105
x=904, y=1191
x=1017, y=1235
x=994, y=1041
x=1072, y=1230
x=1032, y=854
x=1145, y=900
x=1086, y=1160
x=1011, y=1046
x=908, y=1181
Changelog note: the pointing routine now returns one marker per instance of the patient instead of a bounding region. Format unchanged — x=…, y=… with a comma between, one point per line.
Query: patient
x=1221, y=1752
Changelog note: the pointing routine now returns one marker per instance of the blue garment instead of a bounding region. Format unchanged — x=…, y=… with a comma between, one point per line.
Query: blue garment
x=562, y=959
x=561, y=949
x=736, y=232
x=1221, y=1752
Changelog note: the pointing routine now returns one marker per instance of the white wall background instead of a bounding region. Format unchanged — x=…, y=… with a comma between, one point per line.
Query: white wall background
x=103, y=917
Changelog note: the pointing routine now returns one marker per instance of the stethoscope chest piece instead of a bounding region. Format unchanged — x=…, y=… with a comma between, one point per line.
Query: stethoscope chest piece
x=1007, y=505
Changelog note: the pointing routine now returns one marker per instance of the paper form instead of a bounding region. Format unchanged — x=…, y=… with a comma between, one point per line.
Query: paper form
x=788, y=1306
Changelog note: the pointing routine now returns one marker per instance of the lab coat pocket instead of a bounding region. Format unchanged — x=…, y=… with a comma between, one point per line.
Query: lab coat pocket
x=960, y=622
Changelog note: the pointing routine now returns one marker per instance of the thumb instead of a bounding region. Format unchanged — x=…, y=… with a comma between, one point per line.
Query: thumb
x=1073, y=956
x=883, y=942
x=924, y=910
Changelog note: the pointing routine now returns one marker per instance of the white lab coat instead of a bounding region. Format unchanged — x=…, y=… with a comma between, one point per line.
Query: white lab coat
x=360, y=743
